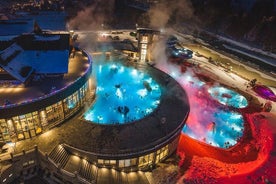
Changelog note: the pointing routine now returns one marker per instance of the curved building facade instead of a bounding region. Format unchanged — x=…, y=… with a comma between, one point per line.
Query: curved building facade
x=35, y=115
x=137, y=145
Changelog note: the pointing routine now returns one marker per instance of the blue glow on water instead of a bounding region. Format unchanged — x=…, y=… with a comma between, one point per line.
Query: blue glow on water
x=223, y=130
x=123, y=94
x=228, y=97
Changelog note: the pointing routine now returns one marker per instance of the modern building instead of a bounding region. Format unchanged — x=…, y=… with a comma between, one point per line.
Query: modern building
x=55, y=87
x=87, y=152
x=146, y=38
x=49, y=88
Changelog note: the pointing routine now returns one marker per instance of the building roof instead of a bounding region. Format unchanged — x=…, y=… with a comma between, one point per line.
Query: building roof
x=148, y=30
x=33, y=53
x=16, y=27
x=45, y=61
x=17, y=69
x=47, y=20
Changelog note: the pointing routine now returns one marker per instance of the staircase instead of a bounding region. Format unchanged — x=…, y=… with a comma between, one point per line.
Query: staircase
x=87, y=171
x=59, y=155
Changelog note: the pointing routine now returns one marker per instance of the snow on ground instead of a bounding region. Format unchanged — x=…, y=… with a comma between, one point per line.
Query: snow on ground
x=246, y=46
x=251, y=161
x=261, y=169
x=268, y=61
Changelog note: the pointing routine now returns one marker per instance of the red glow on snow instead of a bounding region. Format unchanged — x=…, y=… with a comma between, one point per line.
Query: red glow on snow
x=251, y=160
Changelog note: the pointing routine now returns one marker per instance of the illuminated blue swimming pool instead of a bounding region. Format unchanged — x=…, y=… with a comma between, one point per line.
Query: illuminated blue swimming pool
x=223, y=129
x=228, y=97
x=123, y=94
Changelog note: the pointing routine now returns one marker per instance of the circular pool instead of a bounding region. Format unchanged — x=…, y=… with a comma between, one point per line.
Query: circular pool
x=136, y=117
x=228, y=97
x=123, y=94
x=223, y=130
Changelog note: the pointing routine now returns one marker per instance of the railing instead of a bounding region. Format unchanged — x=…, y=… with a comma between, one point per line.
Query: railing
x=67, y=173
x=9, y=173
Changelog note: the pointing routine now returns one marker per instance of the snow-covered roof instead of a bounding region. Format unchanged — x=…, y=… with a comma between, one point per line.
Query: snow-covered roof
x=46, y=61
x=20, y=63
x=7, y=38
x=47, y=20
x=16, y=27
x=20, y=70
x=47, y=38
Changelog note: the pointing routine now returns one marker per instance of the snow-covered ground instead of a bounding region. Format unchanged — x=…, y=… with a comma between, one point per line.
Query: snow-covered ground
x=258, y=170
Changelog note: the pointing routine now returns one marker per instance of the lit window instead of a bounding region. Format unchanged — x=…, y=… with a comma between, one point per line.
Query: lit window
x=100, y=161
x=145, y=39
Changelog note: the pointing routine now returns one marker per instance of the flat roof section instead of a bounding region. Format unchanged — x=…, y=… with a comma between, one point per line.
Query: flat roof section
x=77, y=67
x=16, y=27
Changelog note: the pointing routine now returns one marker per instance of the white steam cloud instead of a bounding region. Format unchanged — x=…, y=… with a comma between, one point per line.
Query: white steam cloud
x=94, y=16
x=174, y=11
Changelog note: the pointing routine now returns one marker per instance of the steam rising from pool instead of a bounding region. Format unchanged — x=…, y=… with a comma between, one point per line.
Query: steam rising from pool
x=123, y=94
x=209, y=122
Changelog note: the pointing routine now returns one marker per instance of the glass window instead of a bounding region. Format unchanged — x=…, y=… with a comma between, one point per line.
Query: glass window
x=144, y=39
x=43, y=118
x=162, y=153
x=10, y=125
x=146, y=160
x=112, y=162
x=100, y=161
x=144, y=46
x=16, y=123
x=121, y=163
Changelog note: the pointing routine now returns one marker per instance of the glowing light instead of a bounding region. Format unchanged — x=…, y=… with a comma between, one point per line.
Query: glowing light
x=100, y=118
x=122, y=69
x=142, y=92
x=71, y=105
x=148, y=110
x=156, y=102
x=149, y=80
x=236, y=128
x=100, y=68
x=100, y=88
x=228, y=97
x=113, y=66
x=134, y=72
x=173, y=74
x=119, y=93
